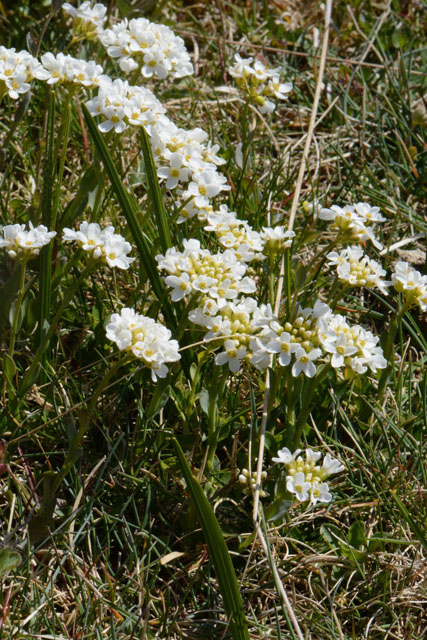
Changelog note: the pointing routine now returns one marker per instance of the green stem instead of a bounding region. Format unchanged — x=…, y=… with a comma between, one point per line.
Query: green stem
x=388, y=350
x=288, y=284
x=214, y=393
x=336, y=293
x=65, y=135
x=27, y=381
x=15, y=323
x=271, y=278
x=18, y=305
x=306, y=409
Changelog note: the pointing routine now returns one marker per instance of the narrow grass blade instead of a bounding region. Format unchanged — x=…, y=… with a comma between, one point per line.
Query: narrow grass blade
x=128, y=207
x=405, y=513
x=155, y=193
x=46, y=211
x=218, y=552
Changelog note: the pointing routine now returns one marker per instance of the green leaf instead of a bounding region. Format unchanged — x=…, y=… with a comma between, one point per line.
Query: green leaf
x=129, y=207
x=277, y=509
x=218, y=552
x=154, y=192
x=356, y=535
x=39, y=524
x=9, y=366
x=8, y=560
x=78, y=204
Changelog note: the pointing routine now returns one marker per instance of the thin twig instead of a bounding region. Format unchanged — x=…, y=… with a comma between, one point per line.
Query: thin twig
x=255, y=514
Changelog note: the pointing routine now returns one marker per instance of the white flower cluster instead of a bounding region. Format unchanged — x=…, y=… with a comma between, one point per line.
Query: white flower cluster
x=17, y=70
x=24, y=244
x=64, y=69
x=358, y=270
x=249, y=332
x=259, y=82
x=120, y=104
x=238, y=326
x=87, y=20
x=318, y=333
x=276, y=239
x=102, y=244
x=411, y=284
x=153, y=48
x=246, y=243
x=248, y=480
x=235, y=234
x=146, y=339
x=305, y=478
x=353, y=223
x=195, y=270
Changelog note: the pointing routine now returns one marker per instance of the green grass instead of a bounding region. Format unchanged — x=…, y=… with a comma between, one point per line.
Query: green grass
x=125, y=556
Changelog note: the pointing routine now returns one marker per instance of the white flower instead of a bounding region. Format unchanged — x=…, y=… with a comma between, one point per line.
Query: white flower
x=357, y=270
x=304, y=477
x=349, y=223
x=24, y=244
x=277, y=89
x=297, y=484
x=114, y=119
x=411, y=284
x=330, y=466
x=175, y=172
x=341, y=349
x=153, y=48
x=368, y=213
x=232, y=355
x=241, y=68
x=115, y=252
x=103, y=244
x=304, y=362
x=320, y=492
x=277, y=239
x=17, y=69
x=285, y=456
x=87, y=20
x=283, y=347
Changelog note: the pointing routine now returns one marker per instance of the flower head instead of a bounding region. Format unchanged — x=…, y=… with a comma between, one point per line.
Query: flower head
x=101, y=244
x=24, y=244
x=305, y=478
x=411, y=284
x=146, y=339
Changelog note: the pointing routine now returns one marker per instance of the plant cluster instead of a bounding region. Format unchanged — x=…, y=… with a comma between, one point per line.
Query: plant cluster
x=204, y=302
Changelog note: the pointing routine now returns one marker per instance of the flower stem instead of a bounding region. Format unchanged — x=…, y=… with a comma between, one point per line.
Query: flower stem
x=28, y=377
x=15, y=322
x=395, y=321
x=18, y=305
x=214, y=393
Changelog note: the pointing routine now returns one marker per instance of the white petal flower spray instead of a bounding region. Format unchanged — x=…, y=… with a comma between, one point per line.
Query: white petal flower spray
x=304, y=477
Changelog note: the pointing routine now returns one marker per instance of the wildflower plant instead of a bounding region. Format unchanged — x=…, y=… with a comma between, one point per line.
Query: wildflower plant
x=260, y=318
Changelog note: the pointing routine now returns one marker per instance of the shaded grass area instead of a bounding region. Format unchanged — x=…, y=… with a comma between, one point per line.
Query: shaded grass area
x=353, y=569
